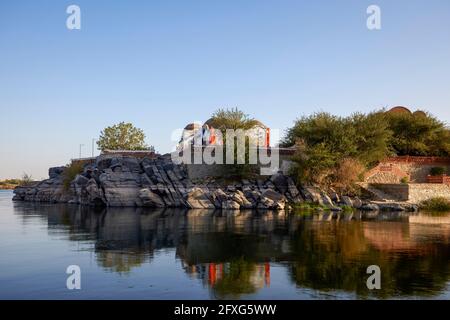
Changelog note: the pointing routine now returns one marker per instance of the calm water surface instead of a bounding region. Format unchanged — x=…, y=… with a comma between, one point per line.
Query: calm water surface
x=174, y=254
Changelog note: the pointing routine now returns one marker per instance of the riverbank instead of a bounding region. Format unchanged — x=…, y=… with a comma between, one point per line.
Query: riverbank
x=9, y=184
x=124, y=181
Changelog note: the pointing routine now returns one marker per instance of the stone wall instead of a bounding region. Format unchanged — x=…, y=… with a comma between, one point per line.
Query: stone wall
x=399, y=192
x=419, y=192
x=415, y=169
x=201, y=171
x=413, y=192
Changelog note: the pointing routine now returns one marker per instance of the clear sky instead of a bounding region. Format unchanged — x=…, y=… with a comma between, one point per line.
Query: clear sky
x=162, y=64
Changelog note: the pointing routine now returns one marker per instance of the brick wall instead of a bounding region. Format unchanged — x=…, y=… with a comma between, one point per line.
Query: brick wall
x=416, y=169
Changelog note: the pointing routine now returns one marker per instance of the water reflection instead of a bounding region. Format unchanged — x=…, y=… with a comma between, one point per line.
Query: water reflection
x=232, y=253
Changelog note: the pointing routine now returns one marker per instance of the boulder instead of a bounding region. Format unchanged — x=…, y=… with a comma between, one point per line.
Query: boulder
x=151, y=199
x=266, y=204
x=230, y=205
x=55, y=172
x=197, y=199
x=280, y=182
x=273, y=195
x=357, y=202
x=80, y=180
x=346, y=200
x=292, y=188
x=312, y=194
x=121, y=188
x=272, y=200
x=94, y=193
x=370, y=207
x=240, y=198
x=391, y=207
x=326, y=200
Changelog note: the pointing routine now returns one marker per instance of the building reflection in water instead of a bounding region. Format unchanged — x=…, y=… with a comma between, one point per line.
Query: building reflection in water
x=232, y=253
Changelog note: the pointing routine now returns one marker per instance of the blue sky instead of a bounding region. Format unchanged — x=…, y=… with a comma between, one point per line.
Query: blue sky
x=162, y=64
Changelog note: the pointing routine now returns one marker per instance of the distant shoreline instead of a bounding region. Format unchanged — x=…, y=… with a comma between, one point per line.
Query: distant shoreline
x=8, y=187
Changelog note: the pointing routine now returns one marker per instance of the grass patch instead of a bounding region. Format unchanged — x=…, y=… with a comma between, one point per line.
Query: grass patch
x=70, y=172
x=347, y=208
x=309, y=206
x=438, y=204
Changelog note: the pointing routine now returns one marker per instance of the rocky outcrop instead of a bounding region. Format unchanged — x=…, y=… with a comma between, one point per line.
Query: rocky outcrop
x=123, y=181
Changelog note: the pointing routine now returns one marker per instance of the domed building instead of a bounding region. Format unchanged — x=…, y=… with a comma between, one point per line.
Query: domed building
x=208, y=134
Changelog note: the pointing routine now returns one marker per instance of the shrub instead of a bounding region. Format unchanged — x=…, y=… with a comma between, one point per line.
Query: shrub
x=437, y=171
x=70, y=172
x=26, y=179
x=323, y=140
x=347, y=172
x=436, y=204
x=404, y=180
x=325, y=143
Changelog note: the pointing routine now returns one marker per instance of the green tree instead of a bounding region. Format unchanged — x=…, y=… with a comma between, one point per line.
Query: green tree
x=233, y=118
x=418, y=134
x=224, y=119
x=325, y=142
x=122, y=136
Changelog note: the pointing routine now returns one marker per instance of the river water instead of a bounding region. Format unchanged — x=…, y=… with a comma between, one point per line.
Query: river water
x=132, y=253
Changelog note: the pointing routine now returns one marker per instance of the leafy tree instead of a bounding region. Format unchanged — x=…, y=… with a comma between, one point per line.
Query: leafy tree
x=418, y=134
x=235, y=119
x=325, y=143
x=122, y=136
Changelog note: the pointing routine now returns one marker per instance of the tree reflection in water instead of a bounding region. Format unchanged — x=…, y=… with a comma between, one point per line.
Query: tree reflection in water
x=232, y=253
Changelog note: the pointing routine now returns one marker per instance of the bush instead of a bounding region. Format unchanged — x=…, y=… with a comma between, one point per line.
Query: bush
x=404, y=180
x=436, y=204
x=26, y=179
x=70, y=172
x=347, y=172
x=437, y=171
x=325, y=143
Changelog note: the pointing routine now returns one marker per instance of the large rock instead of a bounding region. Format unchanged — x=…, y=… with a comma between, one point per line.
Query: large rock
x=370, y=207
x=280, y=182
x=312, y=194
x=151, y=199
x=240, y=198
x=357, y=202
x=292, y=188
x=121, y=188
x=326, y=200
x=346, y=200
x=95, y=195
x=271, y=199
x=230, y=205
x=197, y=199
x=55, y=172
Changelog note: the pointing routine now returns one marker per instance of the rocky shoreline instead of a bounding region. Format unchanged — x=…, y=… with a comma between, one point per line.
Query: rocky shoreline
x=123, y=181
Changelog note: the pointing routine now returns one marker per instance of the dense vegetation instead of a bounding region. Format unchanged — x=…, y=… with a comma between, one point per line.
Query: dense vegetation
x=332, y=148
x=438, y=204
x=70, y=172
x=235, y=119
x=122, y=136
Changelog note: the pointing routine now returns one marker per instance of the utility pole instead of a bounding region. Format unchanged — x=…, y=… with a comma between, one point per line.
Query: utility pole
x=93, y=141
x=80, y=148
